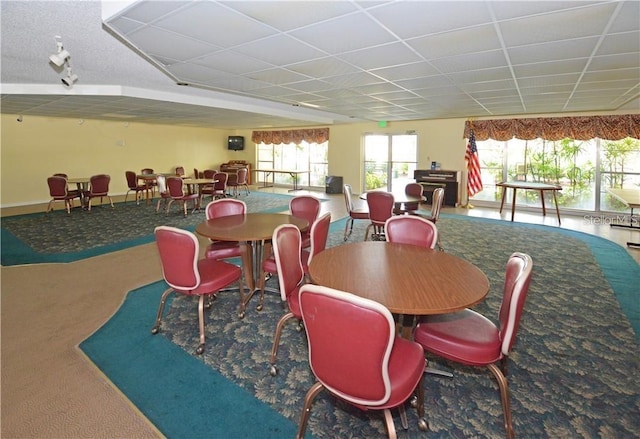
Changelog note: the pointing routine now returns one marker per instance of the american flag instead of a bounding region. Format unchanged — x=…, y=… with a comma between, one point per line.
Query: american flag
x=474, y=180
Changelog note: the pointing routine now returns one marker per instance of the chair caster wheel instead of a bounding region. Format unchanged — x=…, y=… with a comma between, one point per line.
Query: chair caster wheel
x=273, y=371
x=155, y=330
x=414, y=402
x=200, y=350
x=259, y=307
x=241, y=315
x=423, y=424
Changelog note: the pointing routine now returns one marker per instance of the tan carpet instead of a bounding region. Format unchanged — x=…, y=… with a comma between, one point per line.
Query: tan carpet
x=49, y=389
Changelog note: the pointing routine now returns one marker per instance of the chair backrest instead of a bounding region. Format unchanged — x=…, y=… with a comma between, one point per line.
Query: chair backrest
x=179, y=251
x=225, y=207
x=305, y=207
x=287, y=246
x=57, y=186
x=411, y=229
x=319, y=233
x=242, y=175
x=348, y=197
x=99, y=184
x=209, y=173
x=146, y=171
x=196, y=174
x=354, y=367
x=132, y=181
x=161, y=182
x=413, y=189
x=516, y=287
x=380, y=206
x=174, y=187
x=221, y=181
x=60, y=174
x=436, y=203
x=179, y=171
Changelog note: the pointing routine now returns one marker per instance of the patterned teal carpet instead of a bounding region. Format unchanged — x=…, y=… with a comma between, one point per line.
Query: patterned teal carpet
x=573, y=373
x=58, y=237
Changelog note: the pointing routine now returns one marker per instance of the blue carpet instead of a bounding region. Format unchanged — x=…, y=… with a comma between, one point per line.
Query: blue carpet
x=155, y=373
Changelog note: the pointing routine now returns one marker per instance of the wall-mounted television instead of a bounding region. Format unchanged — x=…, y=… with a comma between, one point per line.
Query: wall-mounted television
x=236, y=143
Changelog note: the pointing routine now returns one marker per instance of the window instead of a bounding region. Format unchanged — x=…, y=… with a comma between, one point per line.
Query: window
x=302, y=157
x=584, y=169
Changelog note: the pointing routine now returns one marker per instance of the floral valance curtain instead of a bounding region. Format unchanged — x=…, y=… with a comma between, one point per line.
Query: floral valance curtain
x=556, y=128
x=312, y=135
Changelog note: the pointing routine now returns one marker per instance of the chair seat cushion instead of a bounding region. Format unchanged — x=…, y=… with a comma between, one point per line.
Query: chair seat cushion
x=223, y=250
x=359, y=214
x=269, y=265
x=215, y=275
x=465, y=337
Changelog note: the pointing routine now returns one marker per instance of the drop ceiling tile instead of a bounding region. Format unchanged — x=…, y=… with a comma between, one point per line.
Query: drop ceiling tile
x=458, y=42
x=292, y=14
x=280, y=50
x=344, y=34
x=156, y=41
x=418, y=18
x=386, y=55
x=199, y=18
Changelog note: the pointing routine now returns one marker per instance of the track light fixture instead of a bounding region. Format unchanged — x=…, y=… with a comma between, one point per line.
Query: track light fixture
x=61, y=56
x=71, y=77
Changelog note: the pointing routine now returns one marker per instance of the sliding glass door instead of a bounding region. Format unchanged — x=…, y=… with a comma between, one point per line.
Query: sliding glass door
x=389, y=160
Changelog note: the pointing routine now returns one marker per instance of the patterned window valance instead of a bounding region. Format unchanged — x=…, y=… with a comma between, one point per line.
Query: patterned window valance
x=556, y=128
x=312, y=135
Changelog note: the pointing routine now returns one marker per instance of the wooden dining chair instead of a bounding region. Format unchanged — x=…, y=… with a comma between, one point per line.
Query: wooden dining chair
x=133, y=186
x=176, y=192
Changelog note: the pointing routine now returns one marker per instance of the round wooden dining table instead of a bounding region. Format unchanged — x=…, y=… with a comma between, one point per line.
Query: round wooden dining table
x=409, y=280
x=251, y=229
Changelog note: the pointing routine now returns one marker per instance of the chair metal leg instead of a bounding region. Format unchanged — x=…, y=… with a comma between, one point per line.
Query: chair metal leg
x=163, y=299
x=504, y=397
x=388, y=420
x=200, y=348
x=276, y=341
x=306, y=409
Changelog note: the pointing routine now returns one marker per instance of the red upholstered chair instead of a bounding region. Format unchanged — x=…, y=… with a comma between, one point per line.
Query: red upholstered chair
x=380, y=210
x=360, y=213
x=188, y=275
x=319, y=233
x=176, y=193
x=98, y=187
x=219, y=189
x=243, y=180
x=132, y=184
x=470, y=338
x=356, y=355
x=410, y=229
x=436, y=205
x=236, y=181
x=306, y=207
x=413, y=190
x=287, y=243
x=59, y=192
x=228, y=249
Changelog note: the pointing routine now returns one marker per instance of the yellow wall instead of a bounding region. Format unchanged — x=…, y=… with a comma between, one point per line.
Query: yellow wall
x=37, y=147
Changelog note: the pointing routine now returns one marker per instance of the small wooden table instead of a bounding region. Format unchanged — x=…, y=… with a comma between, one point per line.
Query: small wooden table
x=295, y=175
x=529, y=185
x=251, y=229
x=630, y=197
x=199, y=182
x=409, y=280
